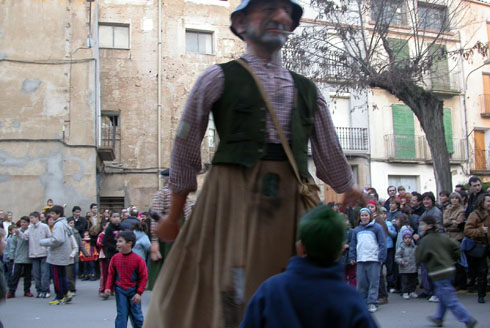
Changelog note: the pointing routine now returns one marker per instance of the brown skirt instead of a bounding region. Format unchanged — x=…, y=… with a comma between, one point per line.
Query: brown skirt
x=242, y=231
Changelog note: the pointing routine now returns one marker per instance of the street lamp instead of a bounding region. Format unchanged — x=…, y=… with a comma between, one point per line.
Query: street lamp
x=465, y=87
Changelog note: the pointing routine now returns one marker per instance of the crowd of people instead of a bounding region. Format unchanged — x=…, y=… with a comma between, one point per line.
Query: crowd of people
x=49, y=247
x=384, y=245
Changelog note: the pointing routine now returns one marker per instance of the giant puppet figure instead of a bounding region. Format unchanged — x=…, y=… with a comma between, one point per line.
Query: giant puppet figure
x=243, y=227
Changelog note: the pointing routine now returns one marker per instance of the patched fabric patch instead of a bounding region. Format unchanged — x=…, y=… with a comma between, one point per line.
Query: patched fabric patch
x=183, y=129
x=270, y=185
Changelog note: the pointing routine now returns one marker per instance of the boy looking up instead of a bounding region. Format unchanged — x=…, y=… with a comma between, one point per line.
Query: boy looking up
x=128, y=274
x=311, y=292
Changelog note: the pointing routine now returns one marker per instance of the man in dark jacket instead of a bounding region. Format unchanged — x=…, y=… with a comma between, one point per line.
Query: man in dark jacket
x=126, y=224
x=110, y=236
x=80, y=222
x=475, y=191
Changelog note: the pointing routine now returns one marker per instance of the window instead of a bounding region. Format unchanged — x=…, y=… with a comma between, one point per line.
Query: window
x=111, y=132
x=114, y=36
x=401, y=52
x=439, y=72
x=448, y=129
x=115, y=204
x=199, y=42
x=404, y=131
x=432, y=17
x=388, y=12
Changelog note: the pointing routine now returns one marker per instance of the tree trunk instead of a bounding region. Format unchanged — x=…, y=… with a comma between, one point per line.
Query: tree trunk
x=429, y=110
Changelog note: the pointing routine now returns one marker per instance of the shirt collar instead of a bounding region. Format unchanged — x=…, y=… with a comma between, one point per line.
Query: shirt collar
x=276, y=60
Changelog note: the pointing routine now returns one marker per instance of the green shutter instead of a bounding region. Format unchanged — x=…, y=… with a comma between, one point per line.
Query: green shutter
x=400, y=49
x=448, y=129
x=404, y=131
x=440, y=68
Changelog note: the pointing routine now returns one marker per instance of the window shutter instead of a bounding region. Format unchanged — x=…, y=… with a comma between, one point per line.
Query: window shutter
x=404, y=132
x=448, y=130
x=440, y=68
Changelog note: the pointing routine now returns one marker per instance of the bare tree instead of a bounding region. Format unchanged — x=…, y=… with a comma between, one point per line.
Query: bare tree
x=406, y=47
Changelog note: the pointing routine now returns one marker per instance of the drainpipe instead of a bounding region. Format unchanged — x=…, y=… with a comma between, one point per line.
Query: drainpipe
x=97, y=77
x=159, y=97
x=465, y=115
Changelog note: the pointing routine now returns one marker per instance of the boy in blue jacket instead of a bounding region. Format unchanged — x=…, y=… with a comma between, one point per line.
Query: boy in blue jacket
x=311, y=292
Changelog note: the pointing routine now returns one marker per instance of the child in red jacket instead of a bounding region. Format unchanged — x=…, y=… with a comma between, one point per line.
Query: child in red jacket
x=88, y=261
x=131, y=273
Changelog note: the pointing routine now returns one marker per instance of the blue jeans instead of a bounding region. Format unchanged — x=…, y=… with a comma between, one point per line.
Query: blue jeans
x=391, y=277
x=448, y=300
x=125, y=308
x=89, y=268
x=40, y=269
x=426, y=282
x=368, y=281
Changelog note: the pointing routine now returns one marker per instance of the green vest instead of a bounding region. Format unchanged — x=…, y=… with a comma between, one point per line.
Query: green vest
x=240, y=119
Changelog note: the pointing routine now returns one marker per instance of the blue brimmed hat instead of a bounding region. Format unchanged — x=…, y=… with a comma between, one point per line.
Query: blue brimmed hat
x=296, y=16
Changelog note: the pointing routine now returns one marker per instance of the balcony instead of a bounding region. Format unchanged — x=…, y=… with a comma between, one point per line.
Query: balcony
x=353, y=140
x=110, y=148
x=444, y=83
x=412, y=148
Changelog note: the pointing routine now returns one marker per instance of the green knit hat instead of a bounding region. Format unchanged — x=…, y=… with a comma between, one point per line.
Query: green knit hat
x=322, y=232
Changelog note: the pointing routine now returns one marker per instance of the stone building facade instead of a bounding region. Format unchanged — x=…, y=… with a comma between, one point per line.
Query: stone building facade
x=92, y=94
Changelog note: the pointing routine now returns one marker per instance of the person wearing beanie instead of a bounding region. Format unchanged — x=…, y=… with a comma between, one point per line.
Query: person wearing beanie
x=368, y=250
x=407, y=268
x=311, y=292
x=439, y=253
x=242, y=229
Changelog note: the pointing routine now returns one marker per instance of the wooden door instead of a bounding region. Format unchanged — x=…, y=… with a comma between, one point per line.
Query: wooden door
x=480, y=156
x=486, y=92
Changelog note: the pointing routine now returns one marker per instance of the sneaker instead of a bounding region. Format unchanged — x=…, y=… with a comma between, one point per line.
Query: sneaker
x=10, y=295
x=471, y=323
x=436, y=322
x=56, y=302
x=481, y=299
x=423, y=295
x=413, y=295
x=92, y=277
x=406, y=296
x=372, y=308
x=73, y=293
x=39, y=295
x=104, y=297
x=68, y=297
x=28, y=294
x=392, y=290
x=46, y=295
x=433, y=299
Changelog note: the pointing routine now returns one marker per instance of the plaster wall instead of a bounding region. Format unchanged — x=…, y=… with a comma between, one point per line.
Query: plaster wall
x=47, y=144
x=475, y=30
x=129, y=84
